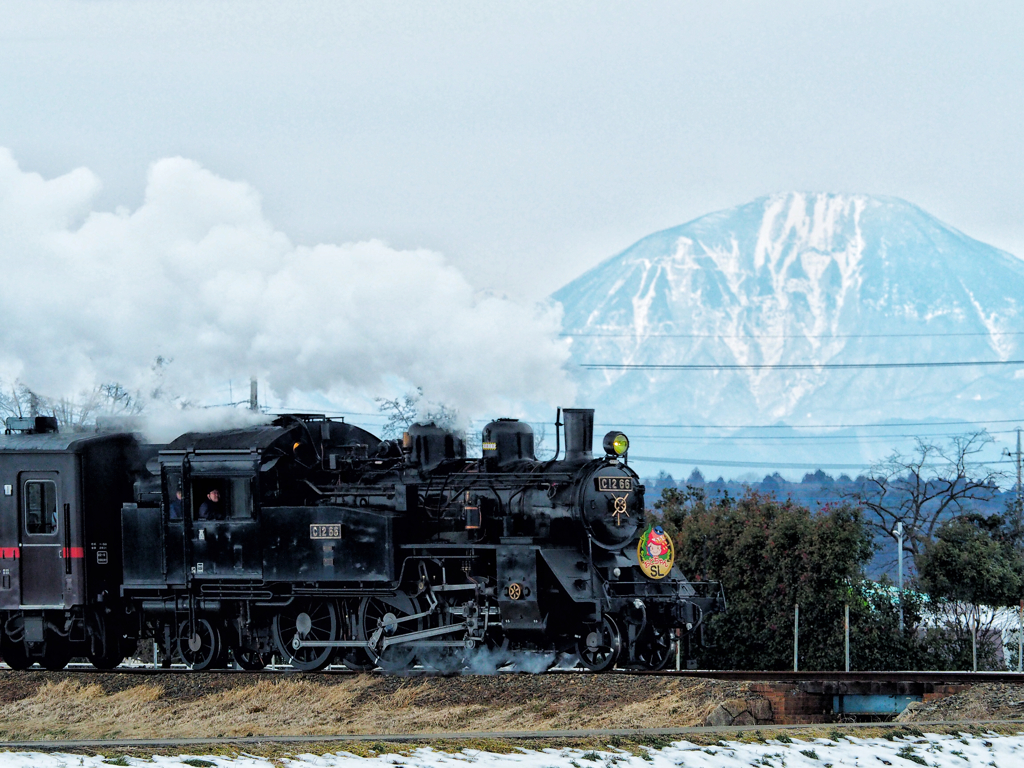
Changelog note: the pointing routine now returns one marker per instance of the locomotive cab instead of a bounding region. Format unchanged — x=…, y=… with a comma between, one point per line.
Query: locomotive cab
x=245, y=532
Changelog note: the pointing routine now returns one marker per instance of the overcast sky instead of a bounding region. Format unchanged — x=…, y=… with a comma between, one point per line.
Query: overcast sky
x=526, y=141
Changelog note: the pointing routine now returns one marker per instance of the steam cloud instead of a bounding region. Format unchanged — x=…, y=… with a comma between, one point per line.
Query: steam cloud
x=488, y=661
x=198, y=276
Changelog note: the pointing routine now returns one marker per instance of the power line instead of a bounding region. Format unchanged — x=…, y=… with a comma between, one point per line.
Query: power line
x=747, y=464
x=769, y=464
x=810, y=438
x=754, y=337
x=373, y=417
x=786, y=366
x=644, y=425
x=901, y=425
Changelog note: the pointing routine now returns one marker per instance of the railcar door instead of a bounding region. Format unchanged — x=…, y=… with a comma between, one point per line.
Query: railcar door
x=44, y=520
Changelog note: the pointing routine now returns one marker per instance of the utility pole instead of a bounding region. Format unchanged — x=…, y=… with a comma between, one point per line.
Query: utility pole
x=899, y=558
x=846, y=624
x=1017, y=500
x=254, y=402
x=1018, y=471
x=1018, y=506
x=796, y=637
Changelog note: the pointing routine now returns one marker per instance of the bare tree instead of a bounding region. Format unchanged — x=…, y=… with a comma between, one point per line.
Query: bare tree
x=72, y=412
x=401, y=413
x=18, y=400
x=932, y=484
x=540, y=447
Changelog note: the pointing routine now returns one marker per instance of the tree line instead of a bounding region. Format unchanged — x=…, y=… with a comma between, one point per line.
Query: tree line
x=770, y=553
x=80, y=411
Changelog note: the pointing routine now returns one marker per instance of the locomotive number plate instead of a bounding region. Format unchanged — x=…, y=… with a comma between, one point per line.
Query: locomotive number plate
x=321, y=531
x=615, y=484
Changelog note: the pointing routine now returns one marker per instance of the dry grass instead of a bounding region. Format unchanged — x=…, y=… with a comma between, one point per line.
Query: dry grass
x=360, y=704
x=70, y=710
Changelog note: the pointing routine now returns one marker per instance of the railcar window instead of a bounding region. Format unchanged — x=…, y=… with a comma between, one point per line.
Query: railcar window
x=40, y=507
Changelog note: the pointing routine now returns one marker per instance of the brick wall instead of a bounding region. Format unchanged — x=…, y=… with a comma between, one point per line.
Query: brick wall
x=941, y=691
x=790, y=705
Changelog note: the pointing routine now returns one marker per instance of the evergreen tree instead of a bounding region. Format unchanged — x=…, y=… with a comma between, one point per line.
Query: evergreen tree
x=973, y=562
x=770, y=555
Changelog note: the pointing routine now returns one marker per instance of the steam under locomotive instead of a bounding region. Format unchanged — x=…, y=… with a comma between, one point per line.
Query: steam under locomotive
x=312, y=540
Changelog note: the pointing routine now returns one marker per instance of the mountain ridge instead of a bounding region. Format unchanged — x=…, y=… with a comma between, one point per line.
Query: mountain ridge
x=800, y=278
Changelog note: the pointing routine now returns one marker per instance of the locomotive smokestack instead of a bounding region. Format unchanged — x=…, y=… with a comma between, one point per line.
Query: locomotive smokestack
x=579, y=434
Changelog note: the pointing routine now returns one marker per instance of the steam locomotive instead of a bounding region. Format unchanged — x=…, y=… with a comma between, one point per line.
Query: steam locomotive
x=311, y=540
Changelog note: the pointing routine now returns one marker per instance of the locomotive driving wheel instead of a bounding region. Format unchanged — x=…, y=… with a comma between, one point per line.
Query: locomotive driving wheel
x=379, y=619
x=307, y=620
x=655, y=648
x=355, y=659
x=248, y=659
x=599, y=648
x=198, y=643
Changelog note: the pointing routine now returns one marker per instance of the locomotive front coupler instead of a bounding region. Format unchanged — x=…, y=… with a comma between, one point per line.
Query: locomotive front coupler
x=686, y=614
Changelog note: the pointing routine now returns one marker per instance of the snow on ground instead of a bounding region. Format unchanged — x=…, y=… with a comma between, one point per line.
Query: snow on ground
x=931, y=750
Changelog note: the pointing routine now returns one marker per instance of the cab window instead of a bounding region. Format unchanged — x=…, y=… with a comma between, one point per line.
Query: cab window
x=240, y=498
x=40, y=507
x=225, y=498
x=173, y=497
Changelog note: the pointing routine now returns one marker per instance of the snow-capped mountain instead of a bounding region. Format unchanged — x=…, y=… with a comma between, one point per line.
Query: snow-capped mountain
x=795, y=279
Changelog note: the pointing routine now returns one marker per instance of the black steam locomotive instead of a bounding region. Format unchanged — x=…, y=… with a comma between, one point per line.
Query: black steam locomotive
x=312, y=540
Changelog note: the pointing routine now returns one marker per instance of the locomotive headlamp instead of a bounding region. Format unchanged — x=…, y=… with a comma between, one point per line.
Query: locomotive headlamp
x=616, y=444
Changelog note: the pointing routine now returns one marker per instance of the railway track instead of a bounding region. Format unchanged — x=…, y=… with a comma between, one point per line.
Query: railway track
x=635, y=734
x=937, y=677
x=931, y=676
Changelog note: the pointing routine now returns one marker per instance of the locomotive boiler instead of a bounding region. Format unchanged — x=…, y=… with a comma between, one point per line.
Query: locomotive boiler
x=311, y=540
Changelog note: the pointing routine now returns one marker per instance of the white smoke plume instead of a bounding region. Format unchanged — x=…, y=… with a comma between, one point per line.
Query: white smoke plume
x=491, y=661
x=196, y=275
